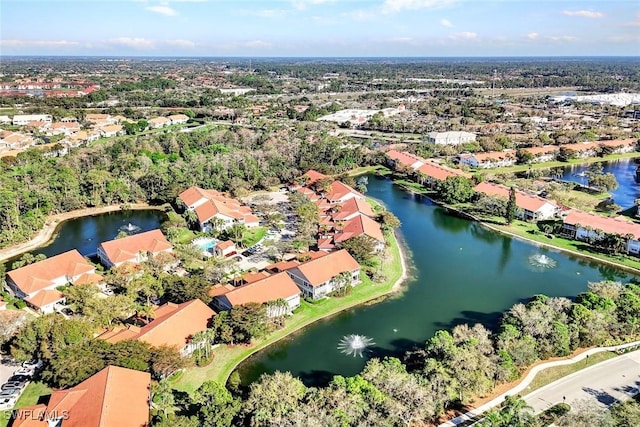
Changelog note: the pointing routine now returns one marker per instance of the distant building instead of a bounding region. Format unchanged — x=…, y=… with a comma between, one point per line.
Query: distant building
x=531, y=207
x=451, y=138
x=24, y=119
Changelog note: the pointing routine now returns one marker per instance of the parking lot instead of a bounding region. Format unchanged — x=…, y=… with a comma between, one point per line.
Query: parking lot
x=7, y=368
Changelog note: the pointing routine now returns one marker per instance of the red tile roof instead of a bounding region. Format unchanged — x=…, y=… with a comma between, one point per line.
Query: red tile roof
x=338, y=190
x=440, y=172
x=173, y=325
x=319, y=270
x=41, y=274
x=358, y=226
x=127, y=248
x=113, y=397
x=267, y=289
x=44, y=298
x=313, y=176
x=404, y=158
x=597, y=222
x=216, y=203
x=523, y=200
x=350, y=207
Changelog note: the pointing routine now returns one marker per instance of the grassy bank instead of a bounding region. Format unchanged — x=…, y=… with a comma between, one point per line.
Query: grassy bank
x=227, y=358
x=555, y=164
x=531, y=232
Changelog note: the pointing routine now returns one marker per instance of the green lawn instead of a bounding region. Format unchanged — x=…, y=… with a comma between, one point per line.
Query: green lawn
x=253, y=236
x=549, y=375
x=185, y=236
x=30, y=396
x=530, y=231
x=555, y=164
x=227, y=358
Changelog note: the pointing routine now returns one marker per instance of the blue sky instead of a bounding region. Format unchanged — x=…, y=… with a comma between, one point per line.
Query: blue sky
x=320, y=27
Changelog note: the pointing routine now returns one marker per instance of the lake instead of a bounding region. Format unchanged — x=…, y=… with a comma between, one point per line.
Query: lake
x=625, y=172
x=460, y=273
x=86, y=233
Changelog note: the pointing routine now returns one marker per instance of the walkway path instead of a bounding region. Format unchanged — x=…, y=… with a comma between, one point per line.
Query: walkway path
x=631, y=380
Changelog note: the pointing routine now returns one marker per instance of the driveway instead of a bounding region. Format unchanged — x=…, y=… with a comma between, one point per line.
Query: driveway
x=602, y=384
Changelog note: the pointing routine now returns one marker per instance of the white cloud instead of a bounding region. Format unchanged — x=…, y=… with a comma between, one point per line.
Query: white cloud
x=533, y=36
x=302, y=4
x=38, y=43
x=395, y=6
x=446, y=23
x=137, y=43
x=563, y=38
x=402, y=40
x=162, y=10
x=635, y=23
x=465, y=35
x=583, y=13
x=181, y=43
x=256, y=43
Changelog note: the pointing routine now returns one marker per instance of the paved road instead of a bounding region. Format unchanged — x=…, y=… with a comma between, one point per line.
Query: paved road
x=603, y=384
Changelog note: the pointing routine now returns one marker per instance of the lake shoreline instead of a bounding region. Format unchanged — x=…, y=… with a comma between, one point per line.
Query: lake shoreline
x=222, y=377
x=470, y=217
x=53, y=222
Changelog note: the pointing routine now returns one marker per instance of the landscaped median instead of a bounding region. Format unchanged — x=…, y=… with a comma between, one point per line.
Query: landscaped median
x=227, y=358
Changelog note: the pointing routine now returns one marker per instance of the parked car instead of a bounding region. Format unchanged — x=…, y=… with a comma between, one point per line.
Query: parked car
x=19, y=378
x=29, y=372
x=33, y=364
x=4, y=394
x=14, y=385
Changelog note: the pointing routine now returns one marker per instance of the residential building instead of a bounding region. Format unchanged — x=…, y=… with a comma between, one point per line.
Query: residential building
x=133, y=249
x=63, y=128
x=177, y=119
x=216, y=210
x=225, y=249
x=36, y=283
x=586, y=226
x=358, y=226
x=351, y=209
x=531, y=207
x=99, y=119
x=339, y=192
x=451, y=138
x=25, y=119
x=173, y=325
x=433, y=172
x=546, y=153
x=159, y=122
x=267, y=289
x=492, y=159
x=114, y=396
x=399, y=158
x=319, y=276
x=111, y=130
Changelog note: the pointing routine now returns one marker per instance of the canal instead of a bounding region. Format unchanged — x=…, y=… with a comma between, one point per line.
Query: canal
x=460, y=273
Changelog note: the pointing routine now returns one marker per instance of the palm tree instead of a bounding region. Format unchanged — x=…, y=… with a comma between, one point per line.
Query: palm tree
x=162, y=398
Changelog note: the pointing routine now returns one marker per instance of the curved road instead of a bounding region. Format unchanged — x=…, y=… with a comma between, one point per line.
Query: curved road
x=603, y=384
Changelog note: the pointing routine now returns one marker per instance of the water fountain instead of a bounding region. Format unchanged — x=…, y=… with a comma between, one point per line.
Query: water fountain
x=129, y=228
x=354, y=345
x=541, y=262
